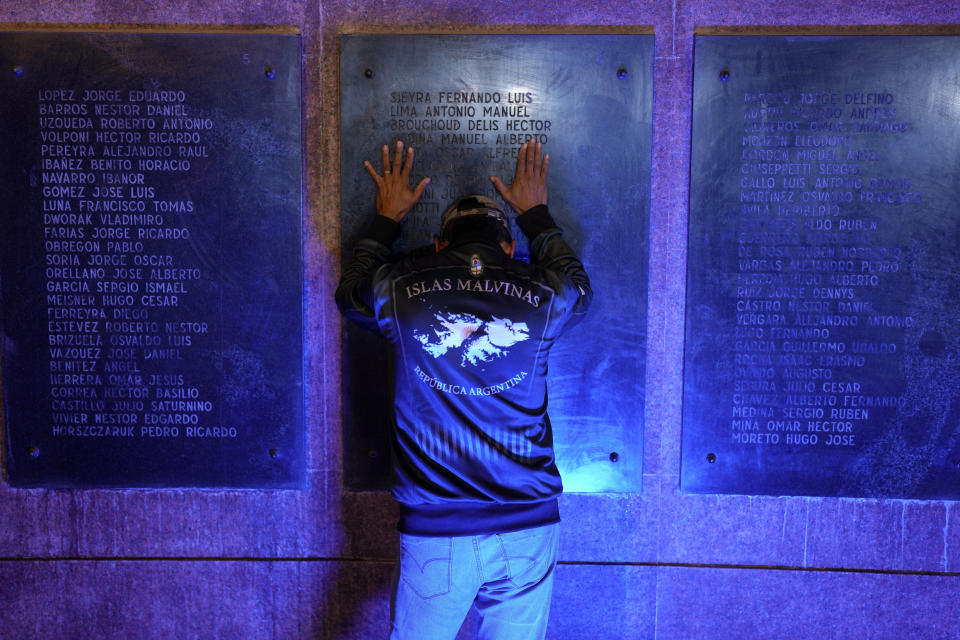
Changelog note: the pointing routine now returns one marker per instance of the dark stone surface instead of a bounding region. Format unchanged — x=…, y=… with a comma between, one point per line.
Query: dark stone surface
x=166, y=523
x=861, y=533
x=951, y=540
x=603, y=602
x=732, y=603
x=151, y=599
x=821, y=330
x=274, y=600
x=667, y=251
x=566, y=90
x=590, y=522
x=727, y=530
x=924, y=544
x=184, y=289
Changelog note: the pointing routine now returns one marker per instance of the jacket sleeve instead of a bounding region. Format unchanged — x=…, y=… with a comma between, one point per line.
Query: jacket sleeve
x=354, y=294
x=550, y=251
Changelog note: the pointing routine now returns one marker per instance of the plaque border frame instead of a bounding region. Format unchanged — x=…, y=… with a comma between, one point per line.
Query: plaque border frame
x=300, y=483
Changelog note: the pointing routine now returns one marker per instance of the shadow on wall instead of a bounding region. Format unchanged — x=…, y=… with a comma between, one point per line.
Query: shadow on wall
x=353, y=599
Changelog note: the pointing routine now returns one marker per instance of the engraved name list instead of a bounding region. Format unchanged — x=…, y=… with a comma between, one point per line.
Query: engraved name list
x=115, y=275
x=811, y=266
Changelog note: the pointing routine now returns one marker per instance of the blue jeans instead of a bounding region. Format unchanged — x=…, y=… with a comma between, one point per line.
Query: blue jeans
x=508, y=577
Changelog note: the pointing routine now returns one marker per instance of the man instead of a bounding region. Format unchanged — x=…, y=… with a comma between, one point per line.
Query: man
x=474, y=467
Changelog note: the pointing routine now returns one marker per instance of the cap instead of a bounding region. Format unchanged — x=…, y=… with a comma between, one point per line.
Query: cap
x=475, y=205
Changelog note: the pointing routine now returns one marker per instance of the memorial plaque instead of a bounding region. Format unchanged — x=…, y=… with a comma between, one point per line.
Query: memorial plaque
x=466, y=103
x=151, y=278
x=824, y=277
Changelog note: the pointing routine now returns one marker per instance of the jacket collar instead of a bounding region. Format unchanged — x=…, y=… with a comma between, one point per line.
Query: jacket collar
x=479, y=242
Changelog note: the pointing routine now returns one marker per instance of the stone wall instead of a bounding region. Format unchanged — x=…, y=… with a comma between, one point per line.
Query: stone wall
x=317, y=563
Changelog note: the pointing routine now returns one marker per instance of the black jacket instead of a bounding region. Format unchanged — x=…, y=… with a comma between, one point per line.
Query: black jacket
x=472, y=329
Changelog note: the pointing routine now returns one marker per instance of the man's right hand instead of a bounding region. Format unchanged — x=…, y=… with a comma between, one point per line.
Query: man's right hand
x=395, y=198
x=529, y=186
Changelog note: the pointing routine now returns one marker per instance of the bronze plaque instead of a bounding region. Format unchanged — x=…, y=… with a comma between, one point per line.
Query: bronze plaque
x=151, y=272
x=466, y=103
x=824, y=278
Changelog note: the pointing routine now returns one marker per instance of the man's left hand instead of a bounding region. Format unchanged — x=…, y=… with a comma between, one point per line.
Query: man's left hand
x=529, y=186
x=395, y=198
